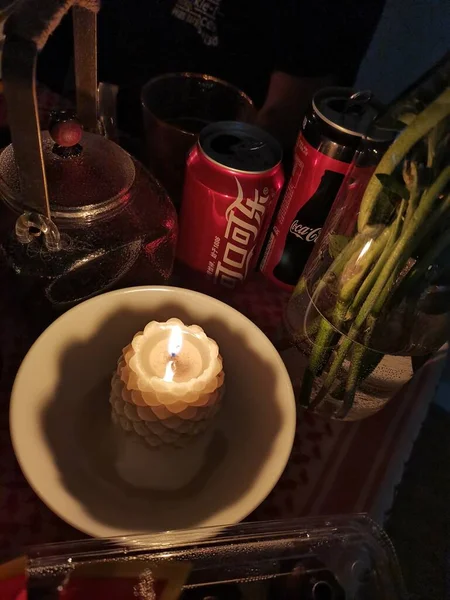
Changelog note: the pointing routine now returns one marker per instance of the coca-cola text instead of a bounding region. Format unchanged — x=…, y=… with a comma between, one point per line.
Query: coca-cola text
x=308, y=234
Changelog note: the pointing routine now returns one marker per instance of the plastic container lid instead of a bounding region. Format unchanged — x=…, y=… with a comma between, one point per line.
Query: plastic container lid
x=307, y=559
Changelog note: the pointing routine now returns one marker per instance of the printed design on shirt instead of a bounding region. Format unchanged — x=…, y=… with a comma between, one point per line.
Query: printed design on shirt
x=201, y=14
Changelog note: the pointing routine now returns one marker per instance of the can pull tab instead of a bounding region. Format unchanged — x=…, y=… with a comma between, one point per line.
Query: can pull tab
x=358, y=100
x=231, y=144
x=241, y=149
x=355, y=106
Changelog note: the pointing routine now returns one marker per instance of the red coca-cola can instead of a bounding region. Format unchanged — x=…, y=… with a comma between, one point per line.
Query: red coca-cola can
x=233, y=180
x=332, y=131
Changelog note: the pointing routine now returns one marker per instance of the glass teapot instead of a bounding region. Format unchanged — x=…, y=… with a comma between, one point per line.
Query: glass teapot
x=78, y=215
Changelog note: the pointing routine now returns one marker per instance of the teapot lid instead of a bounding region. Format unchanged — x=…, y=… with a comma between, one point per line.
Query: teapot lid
x=87, y=175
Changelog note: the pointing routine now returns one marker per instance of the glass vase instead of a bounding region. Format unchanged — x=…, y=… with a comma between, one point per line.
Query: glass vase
x=376, y=290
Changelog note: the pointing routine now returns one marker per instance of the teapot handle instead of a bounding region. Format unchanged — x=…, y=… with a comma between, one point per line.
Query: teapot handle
x=85, y=55
x=27, y=31
x=36, y=20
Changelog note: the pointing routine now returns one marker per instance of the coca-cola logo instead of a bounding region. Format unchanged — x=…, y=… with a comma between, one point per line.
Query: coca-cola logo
x=307, y=234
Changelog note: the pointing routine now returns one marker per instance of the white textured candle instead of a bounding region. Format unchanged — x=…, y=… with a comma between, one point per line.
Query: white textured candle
x=167, y=388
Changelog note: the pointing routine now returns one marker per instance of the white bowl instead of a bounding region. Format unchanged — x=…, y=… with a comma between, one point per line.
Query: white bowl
x=60, y=422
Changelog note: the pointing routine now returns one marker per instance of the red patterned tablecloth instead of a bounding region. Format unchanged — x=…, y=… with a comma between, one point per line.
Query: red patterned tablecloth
x=334, y=467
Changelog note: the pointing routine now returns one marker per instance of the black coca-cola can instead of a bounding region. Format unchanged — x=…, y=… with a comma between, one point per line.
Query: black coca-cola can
x=332, y=131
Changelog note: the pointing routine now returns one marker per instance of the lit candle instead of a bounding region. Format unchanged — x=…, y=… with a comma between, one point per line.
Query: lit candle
x=165, y=393
x=169, y=383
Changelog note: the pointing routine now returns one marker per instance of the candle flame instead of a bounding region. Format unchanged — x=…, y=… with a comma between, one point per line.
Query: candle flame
x=175, y=341
x=170, y=371
x=173, y=348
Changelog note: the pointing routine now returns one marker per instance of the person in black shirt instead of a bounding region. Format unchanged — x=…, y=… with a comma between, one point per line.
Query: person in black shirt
x=277, y=51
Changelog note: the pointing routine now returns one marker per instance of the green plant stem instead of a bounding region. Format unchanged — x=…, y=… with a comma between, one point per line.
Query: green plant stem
x=357, y=358
x=434, y=138
x=422, y=266
x=322, y=346
x=420, y=126
x=414, y=192
x=320, y=325
x=300, y=287
x=307, y=331
x=368, y=283
x=338, y=265
x=412, y=279
x=325, y=331
x=360, y=353
x=323, y=342
x=304, y=396
x=356, y=269
x=362, y=357
x=412, y=205
x=351, y=384
x=421, y=223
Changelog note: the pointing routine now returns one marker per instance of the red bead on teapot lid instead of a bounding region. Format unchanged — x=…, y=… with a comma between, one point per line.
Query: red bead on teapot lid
x=86, y=174
x=66, y=131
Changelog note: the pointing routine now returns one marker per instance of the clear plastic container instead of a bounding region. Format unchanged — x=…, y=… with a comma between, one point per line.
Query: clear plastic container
x=336, y=558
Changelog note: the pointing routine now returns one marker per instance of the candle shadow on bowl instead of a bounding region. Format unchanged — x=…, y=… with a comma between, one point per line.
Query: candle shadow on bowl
x=241, y=462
